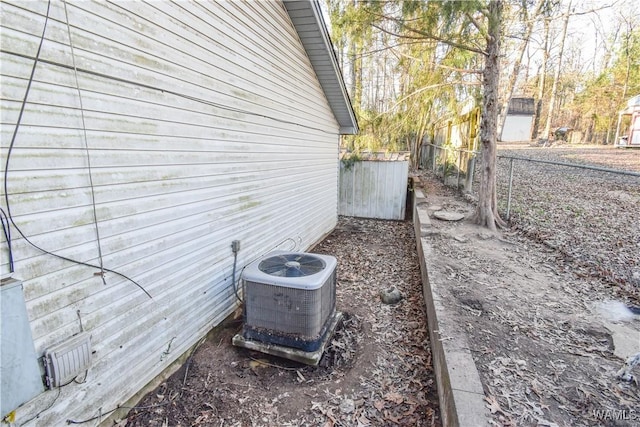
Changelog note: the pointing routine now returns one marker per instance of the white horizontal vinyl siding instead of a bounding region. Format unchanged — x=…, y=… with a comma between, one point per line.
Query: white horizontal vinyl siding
x=204, y=123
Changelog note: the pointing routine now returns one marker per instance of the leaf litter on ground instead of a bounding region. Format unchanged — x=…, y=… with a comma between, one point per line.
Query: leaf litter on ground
x=376, y=371
x=526, y=297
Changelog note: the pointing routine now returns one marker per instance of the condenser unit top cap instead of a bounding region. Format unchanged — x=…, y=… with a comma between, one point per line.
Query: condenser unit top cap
x=301, y=270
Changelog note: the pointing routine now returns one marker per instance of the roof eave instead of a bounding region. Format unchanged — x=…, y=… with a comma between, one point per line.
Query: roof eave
x=330, y=79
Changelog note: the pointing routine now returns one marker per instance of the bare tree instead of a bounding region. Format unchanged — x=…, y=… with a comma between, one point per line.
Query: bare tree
x=542, y=76
x=487, y=210
x=529, y=20
x=470, y=32
x=629, y=24
x=556, y=77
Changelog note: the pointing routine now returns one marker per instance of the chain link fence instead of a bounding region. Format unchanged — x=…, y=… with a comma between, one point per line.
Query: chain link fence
x=454, y=165
x=571, y=201
x=564, y=168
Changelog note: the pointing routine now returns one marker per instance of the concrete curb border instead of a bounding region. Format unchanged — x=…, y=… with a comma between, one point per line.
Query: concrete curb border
x=460, y=391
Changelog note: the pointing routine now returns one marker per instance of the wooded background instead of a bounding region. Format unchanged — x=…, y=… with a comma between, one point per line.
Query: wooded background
x=412, y=64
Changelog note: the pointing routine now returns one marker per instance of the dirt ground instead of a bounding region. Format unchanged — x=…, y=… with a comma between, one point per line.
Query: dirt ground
x=540, y=318
x=377, y=371
x=529, y=298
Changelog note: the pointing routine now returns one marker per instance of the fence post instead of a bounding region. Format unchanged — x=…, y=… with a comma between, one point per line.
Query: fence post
x=433, y=158
x=509, y=191
x=445, y=163
x=459, y=163
x=471, y=167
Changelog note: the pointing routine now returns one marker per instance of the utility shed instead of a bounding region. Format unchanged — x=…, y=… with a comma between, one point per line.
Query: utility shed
x=519, y=119
x=141, y=139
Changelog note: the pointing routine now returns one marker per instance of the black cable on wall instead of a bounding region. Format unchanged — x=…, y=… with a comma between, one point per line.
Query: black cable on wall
x=6, y=173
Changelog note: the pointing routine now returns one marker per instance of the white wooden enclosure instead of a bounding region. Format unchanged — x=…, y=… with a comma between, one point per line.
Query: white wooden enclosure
x=517, y=128
x=153, y=135
x=519, y=120
x=374, y=187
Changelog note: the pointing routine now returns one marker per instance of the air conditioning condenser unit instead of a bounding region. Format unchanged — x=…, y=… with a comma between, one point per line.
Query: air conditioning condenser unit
x=290, y=305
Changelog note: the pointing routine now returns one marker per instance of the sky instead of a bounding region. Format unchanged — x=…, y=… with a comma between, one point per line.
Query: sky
x=586, y=31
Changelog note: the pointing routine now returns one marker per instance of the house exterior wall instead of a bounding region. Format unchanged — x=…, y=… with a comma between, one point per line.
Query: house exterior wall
x=203, y=123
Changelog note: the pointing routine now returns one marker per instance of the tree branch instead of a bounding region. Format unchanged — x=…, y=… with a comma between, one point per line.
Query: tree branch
x=446, y=67
x=422, y=89
x=427, y=36
x=592, y=10
x=476, y=24
x=382, y=49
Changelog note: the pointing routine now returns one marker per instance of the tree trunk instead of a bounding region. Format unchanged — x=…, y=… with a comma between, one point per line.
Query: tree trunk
x=628, y=54
x=355, y=58
x=416, y=148
x=353, y=70
x=556, y=77
x=589, y=134
x=535, y=133
x=487, y=210
x=511, y=85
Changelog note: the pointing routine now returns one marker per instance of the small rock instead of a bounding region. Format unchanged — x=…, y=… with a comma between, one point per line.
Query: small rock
x=390, y=296
x=615, y=311
x=448, y=215
x=347, y=406
x=470, y=198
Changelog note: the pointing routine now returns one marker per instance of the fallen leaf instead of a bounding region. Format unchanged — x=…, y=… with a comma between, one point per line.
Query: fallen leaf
x=394, y=397
x=363, y=421
x=258, y=363
x=410, y=411
x=389, y=417
x=493, y=405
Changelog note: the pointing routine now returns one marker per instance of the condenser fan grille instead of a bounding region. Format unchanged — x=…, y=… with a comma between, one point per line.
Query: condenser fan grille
x=291, y=265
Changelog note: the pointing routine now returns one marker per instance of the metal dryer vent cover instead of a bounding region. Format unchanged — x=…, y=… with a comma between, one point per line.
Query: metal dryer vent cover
x=65, y=361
